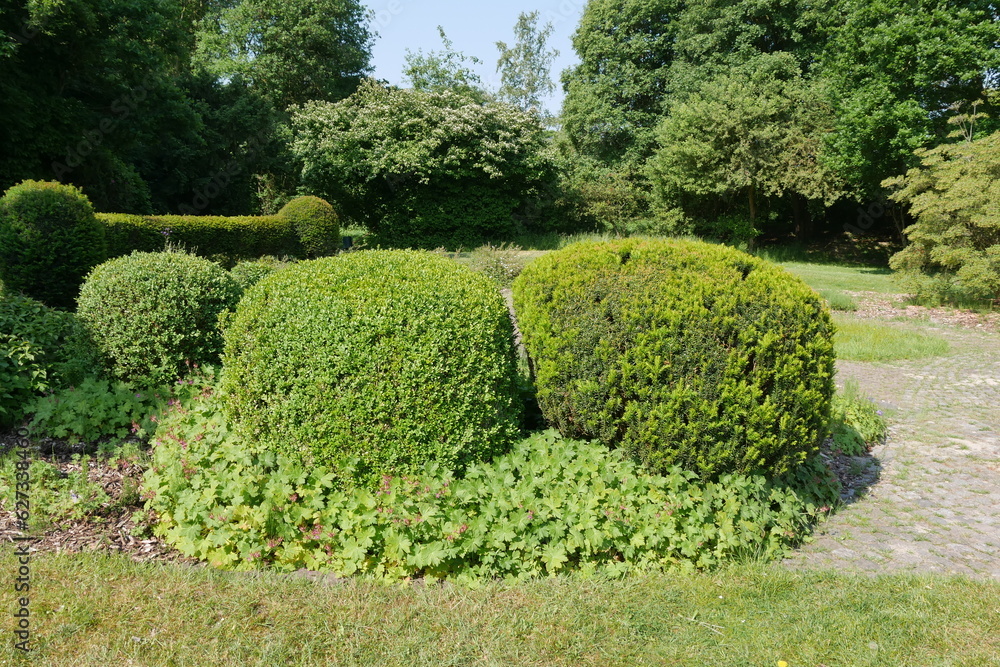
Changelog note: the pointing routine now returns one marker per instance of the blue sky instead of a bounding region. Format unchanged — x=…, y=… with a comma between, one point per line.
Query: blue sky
x=474, y=27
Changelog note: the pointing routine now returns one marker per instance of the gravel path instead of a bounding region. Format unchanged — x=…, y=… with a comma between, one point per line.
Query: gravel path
x=935, y=503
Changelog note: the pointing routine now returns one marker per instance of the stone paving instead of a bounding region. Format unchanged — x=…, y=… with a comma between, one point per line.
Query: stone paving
x=935, y=506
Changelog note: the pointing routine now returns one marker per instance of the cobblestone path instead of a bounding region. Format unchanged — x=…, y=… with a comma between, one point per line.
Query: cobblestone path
x=935, y=506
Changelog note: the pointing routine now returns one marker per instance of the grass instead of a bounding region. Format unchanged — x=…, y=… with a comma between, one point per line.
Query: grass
x=839, y=300
x=862, y=340
x=830, y=277
x=155, y=614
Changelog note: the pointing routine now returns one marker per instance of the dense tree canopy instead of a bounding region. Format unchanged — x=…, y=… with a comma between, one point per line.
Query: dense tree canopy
x=614, y=96
x=744, y=136
x=423, y=169
x=167, y=105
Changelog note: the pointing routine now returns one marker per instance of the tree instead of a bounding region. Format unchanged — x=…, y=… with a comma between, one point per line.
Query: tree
x=90, y=95
x=751, y=134
x=954, y=243
x=525, y=67
x=446, y=70
x=289, y=52
x=713, y=36
x=423, y=169
x=614, y=96
x=894, y=68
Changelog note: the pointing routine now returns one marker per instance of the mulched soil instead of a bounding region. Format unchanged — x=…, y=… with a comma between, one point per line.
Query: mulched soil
x=875, y=305
x=110, y=529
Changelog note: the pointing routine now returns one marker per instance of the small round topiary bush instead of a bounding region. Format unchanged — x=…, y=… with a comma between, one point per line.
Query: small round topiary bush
x=152, y=314
x=373, y=364
x=680, y=353
x=49, y=240
x=316, y=223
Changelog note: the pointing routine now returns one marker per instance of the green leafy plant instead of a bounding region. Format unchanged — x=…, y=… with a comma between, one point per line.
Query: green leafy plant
x=501, y=263
x=40, y=349
x=679, y=353
x=153, y=315
x=248, y=274
x=391, y=357
x=49, y=240
x=423, y=169
x=108, y=411
x=856, y=421
x=96, y=409
x=56, y=496
x=954, y=244
x=547, y=507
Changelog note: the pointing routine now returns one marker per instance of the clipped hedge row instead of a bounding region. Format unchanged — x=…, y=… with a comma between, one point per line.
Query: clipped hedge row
x=374, y=362
x=228, y=238
x=679, y=353
x=305, y=227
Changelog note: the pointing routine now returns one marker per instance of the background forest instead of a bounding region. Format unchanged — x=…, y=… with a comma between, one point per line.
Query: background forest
x=731, y=119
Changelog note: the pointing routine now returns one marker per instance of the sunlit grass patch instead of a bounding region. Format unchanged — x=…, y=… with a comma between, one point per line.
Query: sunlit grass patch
x=863, y=340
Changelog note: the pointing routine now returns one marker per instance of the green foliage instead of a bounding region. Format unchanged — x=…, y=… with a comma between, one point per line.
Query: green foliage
x=423, y=169
x=679, y=353
x=289, y=53
x=525, y=67
x=92, y=96
x=248, y=274
x=316, y=224
x=97, y=409
x=49, y=240
x=228, y=239
x=548, y=507
x=954, y=249
x=501, y=263
x=56, y=497
x=153, y=315
x=892, y=67
x=40, y=349
x=614, y=95
x=856, y=422
x=390, y=358
x=107, y=412
x=752, y=133
x=445, y=71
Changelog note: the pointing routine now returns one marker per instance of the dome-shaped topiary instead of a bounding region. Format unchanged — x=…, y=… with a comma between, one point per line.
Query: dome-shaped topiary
x=316, y=223
x=384, y=360
x=679, y=352
x=152, y=314
x=49, y=240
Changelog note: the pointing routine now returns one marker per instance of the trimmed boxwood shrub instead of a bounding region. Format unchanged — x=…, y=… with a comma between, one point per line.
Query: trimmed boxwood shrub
x=307, y=226
x=679, y=352
x=316, y=224
x=49, y=240
x=373, y=363
x=150, y=315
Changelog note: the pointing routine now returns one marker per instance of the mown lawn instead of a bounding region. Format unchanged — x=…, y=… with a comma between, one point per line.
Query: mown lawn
x=101, y=610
